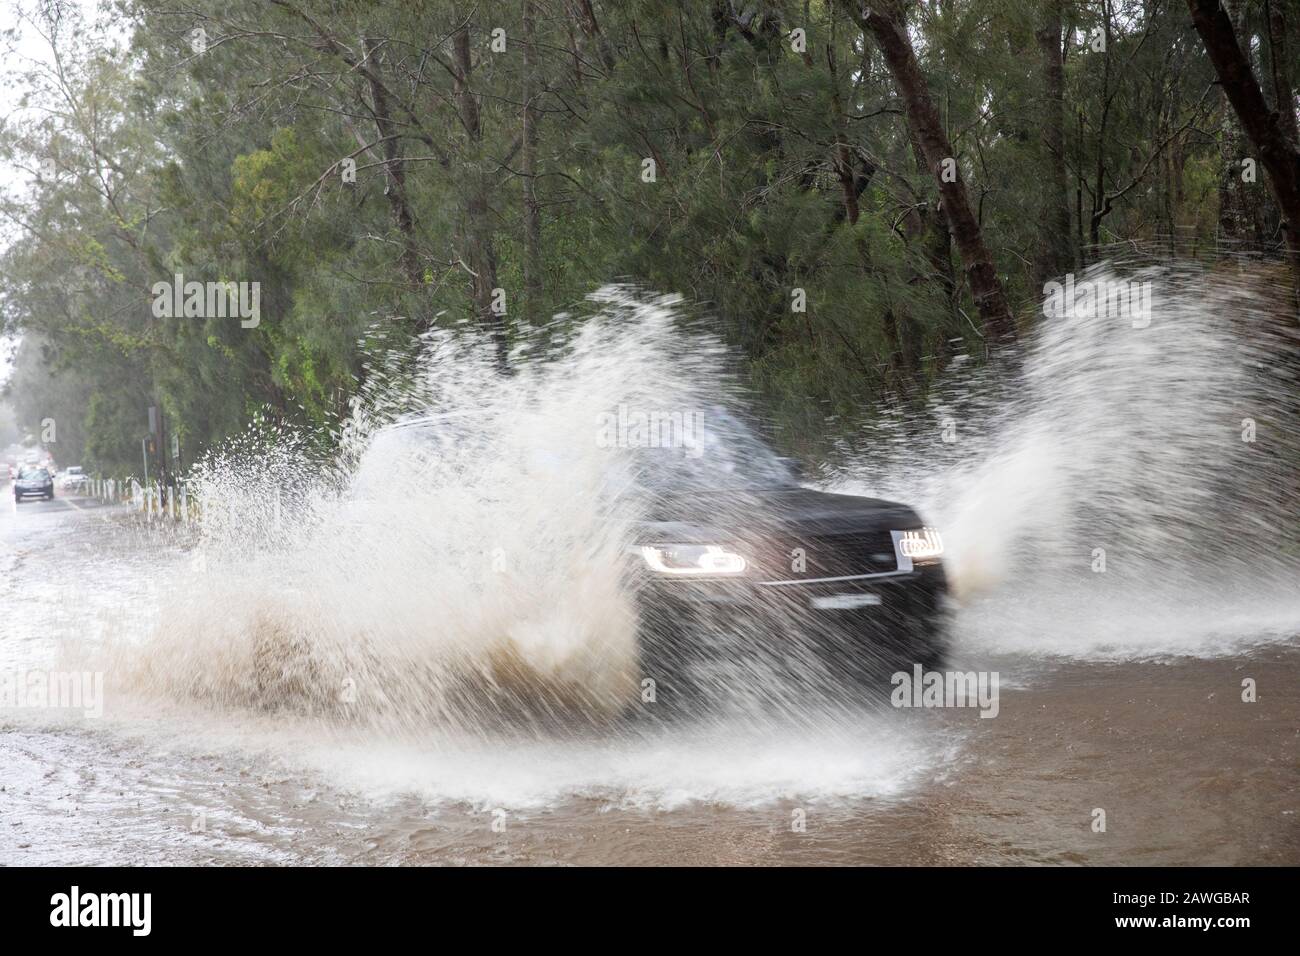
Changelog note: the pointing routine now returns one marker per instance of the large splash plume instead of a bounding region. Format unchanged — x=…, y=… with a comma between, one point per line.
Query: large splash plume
x=1128, y=484
x=457, y=560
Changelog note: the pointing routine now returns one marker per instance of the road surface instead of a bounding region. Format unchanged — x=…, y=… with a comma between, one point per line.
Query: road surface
x=1183, y=769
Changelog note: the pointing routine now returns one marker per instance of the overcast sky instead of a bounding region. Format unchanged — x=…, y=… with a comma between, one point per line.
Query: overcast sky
x=19, y=54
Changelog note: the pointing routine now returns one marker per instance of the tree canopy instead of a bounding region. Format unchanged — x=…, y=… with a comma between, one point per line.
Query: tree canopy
x=855, y=196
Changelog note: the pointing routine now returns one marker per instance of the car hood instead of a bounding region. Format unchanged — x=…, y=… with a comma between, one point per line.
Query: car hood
x=697, y=516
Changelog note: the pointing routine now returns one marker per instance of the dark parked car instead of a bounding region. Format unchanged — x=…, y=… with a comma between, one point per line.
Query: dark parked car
x=33, y=482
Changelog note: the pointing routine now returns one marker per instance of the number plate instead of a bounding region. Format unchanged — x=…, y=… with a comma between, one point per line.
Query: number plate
x=845, y=602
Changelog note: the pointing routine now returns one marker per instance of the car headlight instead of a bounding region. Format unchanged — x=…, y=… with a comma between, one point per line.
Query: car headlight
x=693, y=559
x=921, y=545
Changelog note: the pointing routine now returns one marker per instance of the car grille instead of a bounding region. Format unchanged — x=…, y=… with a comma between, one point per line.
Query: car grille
x=827, y=556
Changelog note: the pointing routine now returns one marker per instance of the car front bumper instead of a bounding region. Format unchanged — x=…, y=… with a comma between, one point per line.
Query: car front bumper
x=849, y=619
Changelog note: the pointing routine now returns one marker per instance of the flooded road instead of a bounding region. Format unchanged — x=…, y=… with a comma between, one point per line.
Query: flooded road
x=1184, y=769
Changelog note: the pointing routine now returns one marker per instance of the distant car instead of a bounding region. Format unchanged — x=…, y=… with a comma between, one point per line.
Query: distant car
x=73, y=478
x=33, y=482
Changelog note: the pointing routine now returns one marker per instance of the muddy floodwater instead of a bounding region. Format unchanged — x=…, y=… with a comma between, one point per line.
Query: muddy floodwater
x=1162, y=742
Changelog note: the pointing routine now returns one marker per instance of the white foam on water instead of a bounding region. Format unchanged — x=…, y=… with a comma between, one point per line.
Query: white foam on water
x=731, y=765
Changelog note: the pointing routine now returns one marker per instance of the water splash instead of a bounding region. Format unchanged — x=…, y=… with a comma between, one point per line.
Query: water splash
x=332, y=598
x=457, y=563
x=1131, y=487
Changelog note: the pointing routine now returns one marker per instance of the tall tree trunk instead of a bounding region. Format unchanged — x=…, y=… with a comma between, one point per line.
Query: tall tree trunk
x=395, y=170
x=890, y=33
x=1099, y=209
x=853, y=179
x=1054, y=241
x=1236, y=221
x=1280, y=56
x=1277, y=154
x=476, y=231
x=1080, y=246
x=844, y=161
x=584, y=14
x=532, y=212
x=929, y=224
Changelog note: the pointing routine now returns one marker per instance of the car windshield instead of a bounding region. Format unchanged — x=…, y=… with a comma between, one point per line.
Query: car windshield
x=33, y=473
x=670, y=451
x=719, y=453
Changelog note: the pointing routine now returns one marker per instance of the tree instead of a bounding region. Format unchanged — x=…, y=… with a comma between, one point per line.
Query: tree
x=480, y=259
x=1054, y=255
x=886, y=24
x=1278, y=155
x=835, y=190
x=532, y=117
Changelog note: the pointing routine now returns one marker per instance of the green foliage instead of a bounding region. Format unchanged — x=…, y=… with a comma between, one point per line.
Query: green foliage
x=228, y=165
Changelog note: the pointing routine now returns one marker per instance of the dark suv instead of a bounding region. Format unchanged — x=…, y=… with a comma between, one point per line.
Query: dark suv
x=746, y=582
x=742, y=576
